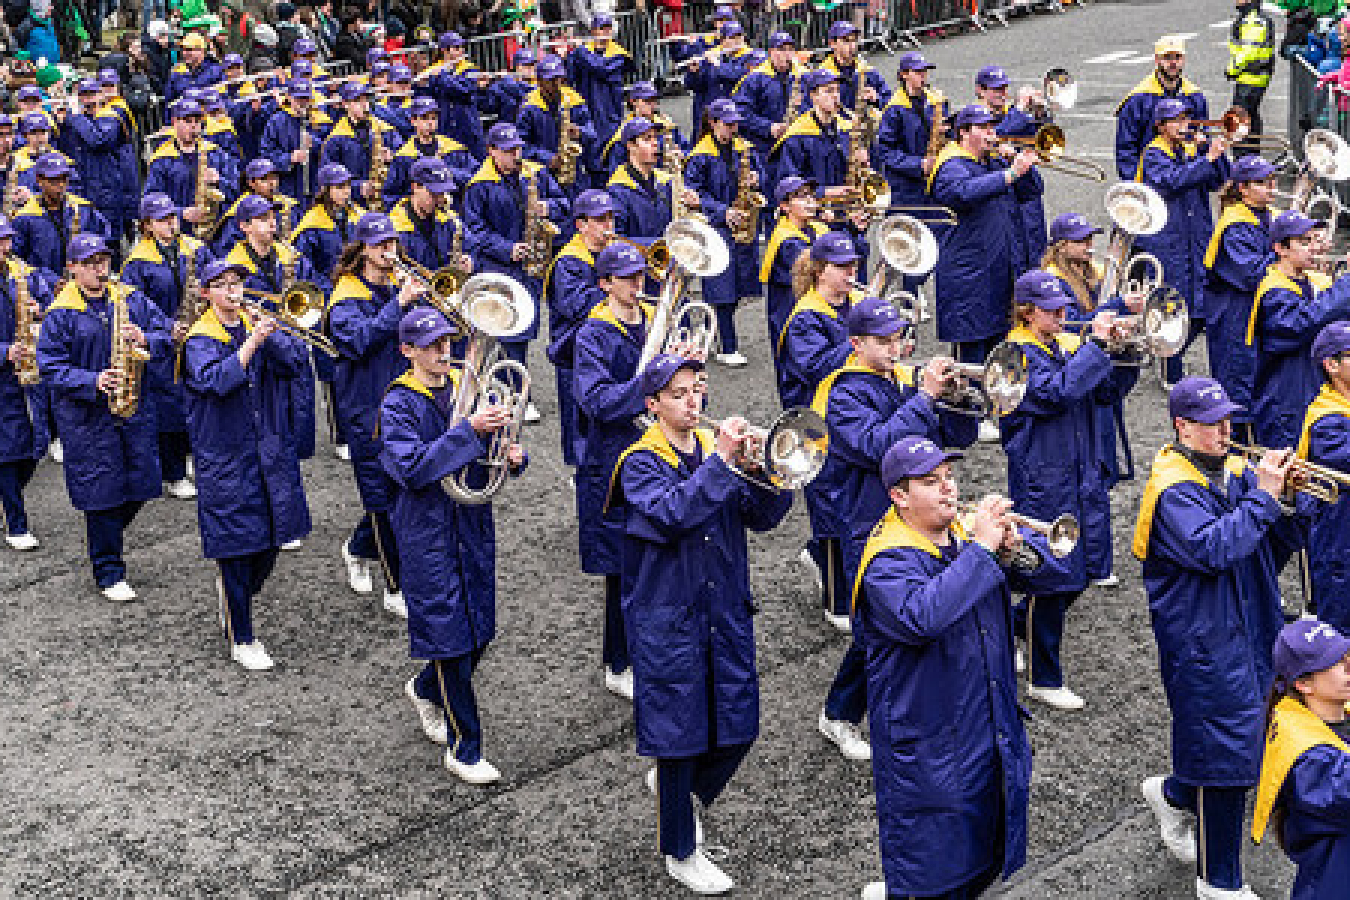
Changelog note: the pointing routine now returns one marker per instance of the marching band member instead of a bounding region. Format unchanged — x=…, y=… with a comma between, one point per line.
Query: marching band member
x=906, y=126
x=449, y=561
x=1184, y=178
x=1235, y=261
x=261, y=178
x=423, y=113
x=852, y=70
x=495, y=217
x=27, y=100
x=9, y=160
x=1055, y=463
x=1325, y=440
x=715, y=74
x=194, y=70
x=426, y=224
x=1212, y=536
x=106, y=153
x=46, y=224
x=687, y=605
x=598, y=73
x=456, y=91
x=37, y=131
x=715, y=170
x=251, y=112
x=644, y=102
x=305, y=52
x=572, y=288
x=1304, y=791
x=328, y=225
x=111, y=462
x=174, y=168
x=816, y=146
x=697, y=44
x=157, y=266
x=1028, y=232
x=540, y=123
x=643, y=203
x=252, y=497
x=355, y=141
x=951, y=761
x=763, y=94
x=1136, y=115
x=814, y=340
x=796, y=229
x=293, y=137
x=23, y=437
x=364, y=311
x=506, y=94
x=218, y=127
x=387, y=104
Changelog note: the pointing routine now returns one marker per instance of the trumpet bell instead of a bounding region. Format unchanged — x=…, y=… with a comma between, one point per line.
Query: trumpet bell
x=696, y=247
x=795, y=448
x=1327, y=154
x=1061, y=91
x=1005, y=378
x=1165, y=323
x=303, y=304
x=907, y=244
x=496, y=305
x=1062, y=536
x=1136, y=208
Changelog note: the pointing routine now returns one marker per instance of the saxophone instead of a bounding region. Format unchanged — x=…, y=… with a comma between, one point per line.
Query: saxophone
x=748, y=200
x=794, y=101
x=11, y=207
x=379, y=168
x=190, y=304
x=569, y=149
x=867, y=184
x=126, y=359
x=678, y=208
x=27, y=323
x=538, y=233
x=937, y=130
x=866, y=118
x=206, y=196
x=670, y=150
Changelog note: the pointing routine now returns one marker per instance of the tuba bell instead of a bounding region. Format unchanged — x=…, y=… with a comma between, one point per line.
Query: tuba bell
x=907, y=245
x=1134, y=209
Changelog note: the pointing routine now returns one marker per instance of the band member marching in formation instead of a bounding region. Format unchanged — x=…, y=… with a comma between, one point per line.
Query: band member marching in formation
x=177, y=170
x=541, y=120
x=714, y=74
x=766, y=92
x=687, y=605
x=598, y=69
x=816, y=146
x=1014, y=121
x=796, y=230
x=506, y=94
x=293, y=137
x=327, y=226
x=261, y=178
x=425, y=142
x=1136, y=114
x=1324, y=440
x=45, y=225
x=362, y=143
x=428, y=228
x=251, y=497
x=643, y=195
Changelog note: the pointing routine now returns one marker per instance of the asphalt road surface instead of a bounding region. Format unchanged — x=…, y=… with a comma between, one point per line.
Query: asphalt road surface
x=137, y=760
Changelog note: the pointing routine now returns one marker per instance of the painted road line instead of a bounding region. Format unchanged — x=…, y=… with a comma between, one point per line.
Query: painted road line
x=1226, y=23
x=1108, y=57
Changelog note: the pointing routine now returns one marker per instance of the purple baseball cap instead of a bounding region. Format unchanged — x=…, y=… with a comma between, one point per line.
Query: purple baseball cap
x=6, y=227
x=330, y=174
x=53, y=165
x=34, y=121
x=725, y=110
x=791, y=185
x=1332, y=340
x=259, y=168
x=913, y=457
x=353, y=90
x=722, y=13
x=83, y=246
x=730, y=29
x=592, y=203
x=251, y=207
x=424, y=106
x=550, y=67
x=218, y=267
x=379, y=69
x=842, y=29
x=302, y=68
x=661, y=369
x=780, y=39
x=643, y=90
x=504, y=136
x=1201, y=400
x=1304, y=647
x=991, y=77
x=181, y=109
x=109, y=78
x=434, y=175
x=913, y=62
x=818, y=78
x=88, y=86
x=1253, y=168
x=620, y=259
x=299, y=88
x=1040, y=289
x=156, y=205
x=974, y=114
x=834, y=247
x=375, y=228
x=875, y=317
x=450, y=39
x=422, y=326
x=400, y=72
x=524, y=57
x=232, y=61
x=1072, y=227
x=601, y=20
x=28, y=93
x=635, y=127
x=1290, y=224
x=304, y=47
x=1168, y=108
x=376, y=54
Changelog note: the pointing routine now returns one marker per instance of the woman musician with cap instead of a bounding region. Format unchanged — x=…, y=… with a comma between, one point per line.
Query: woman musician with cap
x=1324, y=440
x=448, y=549
x=111, y=462
x=251, y=497
x=158, y=265
x=794, y=230
x=1213, y=536
x=425, y=142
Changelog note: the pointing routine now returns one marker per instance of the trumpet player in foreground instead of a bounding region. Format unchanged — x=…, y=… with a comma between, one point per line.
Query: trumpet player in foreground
x=1055, y=462
x=869, y=404
x=96, y=338
x=1325, y=441
x=1213, y=536
x=685, y=509
x=449, y=574
x=951, y=763
x=251, y=497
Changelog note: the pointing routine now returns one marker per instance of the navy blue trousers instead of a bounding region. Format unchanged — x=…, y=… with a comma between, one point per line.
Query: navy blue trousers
x=1218, y=829
x=337, y=430
x=567, y=415
x=835, y=592
x=373, y=538
x=678, y=779
x=103, y=530
x=449, y=684
x=975, y=351
x=242, y=578
x=14, y=477
x=1040, y=621
x=173, y=455
x=969, y=891
x=726, y=326
x=614, y=649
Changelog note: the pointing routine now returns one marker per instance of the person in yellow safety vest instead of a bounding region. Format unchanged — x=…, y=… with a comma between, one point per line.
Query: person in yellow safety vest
x=1251, y=60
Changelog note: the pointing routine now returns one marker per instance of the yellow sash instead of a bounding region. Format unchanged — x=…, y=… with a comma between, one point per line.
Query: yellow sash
x=1151, y=85
x=1069, y=343
x=655, y=440
x=574, y=249
x=812, y=302
x=1170, y=468
x=894, y=533
x=820, y=402
x=1233, y=214
x=781, y=232
x=1294, y=729
x=951, y=151
x=1276, y=279
x=1328, y=402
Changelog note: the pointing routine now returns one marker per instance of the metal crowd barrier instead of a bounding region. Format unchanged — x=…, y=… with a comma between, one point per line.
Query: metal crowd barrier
x=1312, y=107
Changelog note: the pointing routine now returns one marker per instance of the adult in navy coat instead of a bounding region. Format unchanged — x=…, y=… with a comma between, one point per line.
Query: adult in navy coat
x=817, y=145
x=448, y=548
x=1010, y=121
x=111, y=465
x=454, y=84
x=428, y=228
x=598, y=73
x=251, y=498
x=951, y=761
x=814, y=340
x=855, y=74
x=1135, y=114
x=175, y=168
x=195, y=70
x=687, y=604
x=1213, y=537
x=357, y=140
x=1324, y=439
x=45, y=225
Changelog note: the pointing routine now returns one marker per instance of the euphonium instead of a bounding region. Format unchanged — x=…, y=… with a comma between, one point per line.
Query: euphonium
x=27, y=322
x=696, y=251
x=748, y=200
x=127, y=359
x=1134, y=209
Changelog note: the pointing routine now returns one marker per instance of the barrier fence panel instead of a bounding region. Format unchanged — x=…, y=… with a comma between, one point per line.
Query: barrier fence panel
x=1312, y=107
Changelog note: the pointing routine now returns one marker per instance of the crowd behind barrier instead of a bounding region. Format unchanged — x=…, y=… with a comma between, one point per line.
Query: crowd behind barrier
x=1316, y=102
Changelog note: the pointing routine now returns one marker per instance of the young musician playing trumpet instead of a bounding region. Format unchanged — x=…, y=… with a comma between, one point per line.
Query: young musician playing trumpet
x=951, y=761
x=687, y=604
x=1213, y=537
x=449, y=564
x=111, y=461
x=1325, y=441
x=1055, y=462
x=251, y=498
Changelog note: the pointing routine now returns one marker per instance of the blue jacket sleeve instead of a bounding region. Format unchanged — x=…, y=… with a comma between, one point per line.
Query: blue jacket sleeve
x=672, y=506
x=55, y=361
x=749, y=96
x=210, y=367
x=1330, y=442
x=573, y=293
x=1319, y=786
x=895, y=157
x=598, y=394
x=1050, y=390
x=698, y=177
x=354, y=333
x=954, y=186
x=1131, y=135
x=415, y=463
x=1171, y=177
x=812, y=352
x=1191, y=537
x=864, y=434
x=1244, y=256
x=1288, y=323
x=907, y=605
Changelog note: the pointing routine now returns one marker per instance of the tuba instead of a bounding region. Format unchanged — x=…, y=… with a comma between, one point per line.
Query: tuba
x=1134, y=209
x=907, y=245
x=126, y=359
x=694, y=250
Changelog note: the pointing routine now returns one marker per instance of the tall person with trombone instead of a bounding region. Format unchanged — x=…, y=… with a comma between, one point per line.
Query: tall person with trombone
x=1012, y=120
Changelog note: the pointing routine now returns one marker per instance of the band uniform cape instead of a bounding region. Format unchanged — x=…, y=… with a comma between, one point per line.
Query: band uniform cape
x=1236, y=260
x=1134, y=118
x=786, y=243
x=109, y=460
x=1325, y=440
x=1306, y=772
x=687, y=607
x=951, y=762
x=814, y=343
x=1211, y=557
x=250, y=495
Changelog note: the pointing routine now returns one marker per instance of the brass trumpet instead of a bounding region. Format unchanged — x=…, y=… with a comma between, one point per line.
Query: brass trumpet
x=1049, y=143
x=1319, y=482
x=790, y=452
x=298, y=311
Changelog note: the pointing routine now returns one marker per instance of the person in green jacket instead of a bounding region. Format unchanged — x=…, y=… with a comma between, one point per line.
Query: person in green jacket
x=1251, y=60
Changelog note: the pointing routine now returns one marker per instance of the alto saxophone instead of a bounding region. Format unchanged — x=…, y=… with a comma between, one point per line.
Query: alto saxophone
x=675, y=158
x=127, y=359
x=538, y=233
x=794, y=101
x=11, y=207
x=748, y=201
x=379, y=169
x=569, y=149
x=937, y=133
x=27, y=324
x=206, y=196
x=190, y=304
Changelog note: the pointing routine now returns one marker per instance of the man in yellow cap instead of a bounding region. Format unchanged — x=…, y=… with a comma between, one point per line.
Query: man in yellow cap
x=1251, y=60
x=1134, y=116
x=196, y=70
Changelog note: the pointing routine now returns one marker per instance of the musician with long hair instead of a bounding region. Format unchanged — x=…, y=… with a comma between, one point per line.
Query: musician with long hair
x=687, y=604
x=795, y=229
x=251, y=497
x=158, y=266
x=111, y=461
x=1055, y=462
x=364, y=311
x=449, y=559
x=1324, y=440
x=423, y=113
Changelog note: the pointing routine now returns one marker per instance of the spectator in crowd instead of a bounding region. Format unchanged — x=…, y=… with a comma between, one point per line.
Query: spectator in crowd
x=36, y=34
x=288, y=32
x=158, y=55
x=325, y=26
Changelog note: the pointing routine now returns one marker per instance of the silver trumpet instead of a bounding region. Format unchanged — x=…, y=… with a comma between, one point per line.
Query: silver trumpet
x=1061, y=536
x=994, y=388
x=786, y=455
x=1158, y=330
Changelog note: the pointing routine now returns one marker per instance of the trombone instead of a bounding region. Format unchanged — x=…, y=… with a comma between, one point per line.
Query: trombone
x=790, y=452
x=1236, y=125
x=1317, y=481
x=1049, y=143
x=298, y=311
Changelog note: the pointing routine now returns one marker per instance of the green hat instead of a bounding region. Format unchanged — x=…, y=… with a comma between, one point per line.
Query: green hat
x=48, y=76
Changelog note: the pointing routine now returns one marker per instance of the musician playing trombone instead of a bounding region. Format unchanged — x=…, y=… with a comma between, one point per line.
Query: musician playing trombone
x=1213, y=536
x=251, y=497
x=685, y=511
x=448, y=575
x=1324, y=439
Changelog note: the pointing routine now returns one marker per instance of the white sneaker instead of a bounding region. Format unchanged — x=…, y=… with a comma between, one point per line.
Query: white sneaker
x=842, y=623
x=182, y=489
x=698, y=873
x=252, y=656
x=481, y=772
x=56, y=451
x=191, y=469
x=1174, y=825
x=394, y=603
x=343, y=452
x=620, y=683
x=358, y=572
x=292, y=546
x=532, y=414
x=23, y=541
x=1059, y=698
x=431, y=716
x=876, y=890
x=121, y=592
x=847, y=737
x=1019, y=660
x=734, y=360
x=811, y=568
x=989, y=433
x=698, y=821
x=1206, y=891
x=1110, y=581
